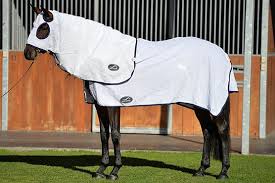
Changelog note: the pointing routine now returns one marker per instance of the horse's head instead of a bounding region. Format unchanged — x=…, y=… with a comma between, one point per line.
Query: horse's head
x=40, y=39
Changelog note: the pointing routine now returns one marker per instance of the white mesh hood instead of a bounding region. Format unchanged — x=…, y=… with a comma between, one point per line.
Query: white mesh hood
x=45, y=44
x=87, y=49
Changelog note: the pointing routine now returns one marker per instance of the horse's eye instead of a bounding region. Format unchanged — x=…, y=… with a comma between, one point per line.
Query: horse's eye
x=43, y=31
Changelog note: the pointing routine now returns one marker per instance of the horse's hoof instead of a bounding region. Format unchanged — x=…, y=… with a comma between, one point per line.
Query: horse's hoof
x=222, y=177
x=198, y=174
x=112, y=177
x=99, y=175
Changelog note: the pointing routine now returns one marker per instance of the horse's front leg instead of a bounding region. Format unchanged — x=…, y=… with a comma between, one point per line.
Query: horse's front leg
x=103, y=116
x=114, y=114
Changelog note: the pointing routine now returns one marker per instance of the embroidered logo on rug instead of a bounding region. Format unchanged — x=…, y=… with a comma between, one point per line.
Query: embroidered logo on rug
x=126, y=100
x=113, y=67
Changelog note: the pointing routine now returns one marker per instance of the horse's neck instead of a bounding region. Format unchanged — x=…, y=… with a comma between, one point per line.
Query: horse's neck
x=83, y=36
x=69, y=30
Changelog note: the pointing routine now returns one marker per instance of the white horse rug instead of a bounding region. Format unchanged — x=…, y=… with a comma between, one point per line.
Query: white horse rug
x=124, y=71
x=180, y=70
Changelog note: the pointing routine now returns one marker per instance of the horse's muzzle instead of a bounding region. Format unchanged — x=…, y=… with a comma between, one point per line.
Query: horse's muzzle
x=30, y=52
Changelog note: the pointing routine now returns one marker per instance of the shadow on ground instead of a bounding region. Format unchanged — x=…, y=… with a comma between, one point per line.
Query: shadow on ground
x=73, y=162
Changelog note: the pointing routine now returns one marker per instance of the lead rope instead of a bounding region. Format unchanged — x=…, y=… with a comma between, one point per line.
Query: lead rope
x=18, y=80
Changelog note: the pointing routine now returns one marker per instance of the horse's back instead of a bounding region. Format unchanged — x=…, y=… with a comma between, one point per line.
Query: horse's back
x=182, y=47
x=172, y=72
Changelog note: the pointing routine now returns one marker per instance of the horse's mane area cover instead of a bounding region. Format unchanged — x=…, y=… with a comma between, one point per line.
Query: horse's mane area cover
x=88, y=49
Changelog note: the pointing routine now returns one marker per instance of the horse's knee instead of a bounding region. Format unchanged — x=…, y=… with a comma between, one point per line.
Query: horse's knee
x=115, y=136
x=104, y=135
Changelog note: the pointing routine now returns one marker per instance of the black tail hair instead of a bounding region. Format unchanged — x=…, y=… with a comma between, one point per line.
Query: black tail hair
x=216, y=145
x=215, y=139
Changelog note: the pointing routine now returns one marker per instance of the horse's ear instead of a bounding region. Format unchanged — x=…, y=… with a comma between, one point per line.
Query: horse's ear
x=47, y=15
x=36, y=9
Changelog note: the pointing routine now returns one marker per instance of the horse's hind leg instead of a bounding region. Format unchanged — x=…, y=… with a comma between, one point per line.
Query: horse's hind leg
x=223, y=126
x=104, y=135
x=207, y=130
x=115, y=133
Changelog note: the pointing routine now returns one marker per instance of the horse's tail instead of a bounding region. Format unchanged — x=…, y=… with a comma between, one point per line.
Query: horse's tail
x=222, y=122
x=216, y=145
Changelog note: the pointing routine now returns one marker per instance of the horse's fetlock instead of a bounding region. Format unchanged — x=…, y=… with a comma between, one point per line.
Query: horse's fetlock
x=105, y=161
x=227, y=166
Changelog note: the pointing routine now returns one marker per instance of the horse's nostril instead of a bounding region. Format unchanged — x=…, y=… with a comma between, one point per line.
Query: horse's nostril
x=26, y=54
x=30, y=54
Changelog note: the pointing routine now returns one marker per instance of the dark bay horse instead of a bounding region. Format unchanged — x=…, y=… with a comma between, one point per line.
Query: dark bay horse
x=215, y=128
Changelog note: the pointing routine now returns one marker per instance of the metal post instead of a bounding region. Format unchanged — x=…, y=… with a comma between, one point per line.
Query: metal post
x=96, y=18
x=96, y=10
x=171, y=34
x=249, y=19
x=264, y=41
x=5, y=62
x=94, y=113
x=169, y=119
x=171, y=18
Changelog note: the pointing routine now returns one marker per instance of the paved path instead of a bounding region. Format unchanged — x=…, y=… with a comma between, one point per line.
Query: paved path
x=128, y=142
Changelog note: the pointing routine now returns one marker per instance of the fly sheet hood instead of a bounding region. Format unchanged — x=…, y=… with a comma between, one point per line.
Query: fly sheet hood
x=87, y=49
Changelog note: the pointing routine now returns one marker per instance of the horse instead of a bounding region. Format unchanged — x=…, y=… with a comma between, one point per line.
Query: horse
x=215, y=128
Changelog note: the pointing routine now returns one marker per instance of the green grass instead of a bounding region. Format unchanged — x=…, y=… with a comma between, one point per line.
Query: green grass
x=77, y=166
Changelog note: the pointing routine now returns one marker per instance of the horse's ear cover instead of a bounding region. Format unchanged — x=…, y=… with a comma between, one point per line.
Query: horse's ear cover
x=36, y=9
x=47, y=15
